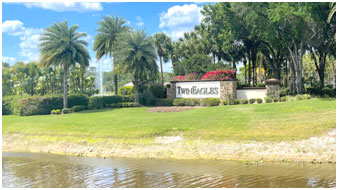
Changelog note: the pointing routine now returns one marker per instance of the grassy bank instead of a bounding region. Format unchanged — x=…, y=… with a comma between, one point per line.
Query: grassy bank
x=263, y=122
x=271, y=132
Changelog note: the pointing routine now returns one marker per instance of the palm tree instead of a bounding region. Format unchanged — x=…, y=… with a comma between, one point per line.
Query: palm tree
x=110, y=30
x=163, y=47
x=332, y=11
x=62, y=47
x=138, y=57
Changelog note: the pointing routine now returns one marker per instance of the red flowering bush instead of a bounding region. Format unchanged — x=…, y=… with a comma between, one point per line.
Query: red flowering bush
x=219, y=74
x=190, y=76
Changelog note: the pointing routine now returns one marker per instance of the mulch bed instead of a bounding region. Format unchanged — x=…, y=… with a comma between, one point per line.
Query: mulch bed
x=169, y=109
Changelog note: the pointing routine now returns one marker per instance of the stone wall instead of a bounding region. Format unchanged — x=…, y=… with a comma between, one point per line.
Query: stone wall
x=228, y=90
x=171, y=90
x=272, y=88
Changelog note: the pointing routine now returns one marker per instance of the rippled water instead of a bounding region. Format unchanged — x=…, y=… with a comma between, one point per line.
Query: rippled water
x=47, y=170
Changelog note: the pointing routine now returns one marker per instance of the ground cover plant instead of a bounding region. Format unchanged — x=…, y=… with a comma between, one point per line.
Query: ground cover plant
x=291, y=120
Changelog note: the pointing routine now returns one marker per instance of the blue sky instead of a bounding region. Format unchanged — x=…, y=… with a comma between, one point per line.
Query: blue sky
x=22, y=23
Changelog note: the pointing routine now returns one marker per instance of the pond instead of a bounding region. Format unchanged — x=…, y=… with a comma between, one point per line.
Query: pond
x=48, y=170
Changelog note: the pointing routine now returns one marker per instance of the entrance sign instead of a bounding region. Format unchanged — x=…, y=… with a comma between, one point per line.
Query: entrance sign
x=207, y=89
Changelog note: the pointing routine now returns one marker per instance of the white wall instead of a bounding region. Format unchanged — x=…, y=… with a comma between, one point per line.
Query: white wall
x=250, y=93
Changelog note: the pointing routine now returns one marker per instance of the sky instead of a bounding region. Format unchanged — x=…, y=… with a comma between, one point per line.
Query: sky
x=22, y=23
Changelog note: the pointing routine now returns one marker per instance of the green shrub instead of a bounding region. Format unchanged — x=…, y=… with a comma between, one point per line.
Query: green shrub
x=252, y=100
x=259, y=100
x=130, y=104
x=283, y=99
x=78, y=108
x=299, y=97
x=275, y=99
x=55, y=112
x=77, y=100
x=290, y=98
x=186, y=102
x=95, y=102
x=158, y=90
x=325, y=96
x=224, y=102
x=6, y=108
x=326, y=90
x=116, y=105
x=9, y=103
x=38, y=105
x=267, y=100
x=314, y=91
x=126, y=91
x=209, y=102
x=147, y=98
x=236, y=101
x=306, y=96
x=164, y=102
x=285, y=92
x=244, y=101
x=260, y=85
x=67, y=110
x=127, y=98
x=98, y=102
x=333, y=92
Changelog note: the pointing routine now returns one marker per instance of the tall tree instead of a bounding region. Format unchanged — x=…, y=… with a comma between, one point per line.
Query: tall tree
x=163, y=47
x=323, y=41
x=138, y=56
x=62, y=46
x=106, y=41
x=293, y=22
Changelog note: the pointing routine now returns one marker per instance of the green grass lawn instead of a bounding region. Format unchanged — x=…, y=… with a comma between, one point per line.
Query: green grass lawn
x=276, y=121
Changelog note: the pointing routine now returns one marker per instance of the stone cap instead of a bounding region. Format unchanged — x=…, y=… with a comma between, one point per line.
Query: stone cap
x=176, y=81
x=272, y=81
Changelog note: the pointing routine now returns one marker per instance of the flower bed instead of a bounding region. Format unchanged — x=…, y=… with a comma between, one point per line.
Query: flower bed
x=219, y=74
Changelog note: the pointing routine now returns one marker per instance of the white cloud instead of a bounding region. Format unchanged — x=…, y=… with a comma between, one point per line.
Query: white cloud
x=180, y=19
x=10, y=60
x=66, y=6
x=29, y=38
x=140, y=22
x=13, y=27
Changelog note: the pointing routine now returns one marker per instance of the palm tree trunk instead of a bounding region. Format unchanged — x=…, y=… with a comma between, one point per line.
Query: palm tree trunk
x=65, y=87
x=245, y=76
x=115, y=84
x=162, y=80
x=136, y=88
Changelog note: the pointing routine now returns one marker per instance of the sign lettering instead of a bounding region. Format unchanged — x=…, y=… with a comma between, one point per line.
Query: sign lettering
x=198, y=89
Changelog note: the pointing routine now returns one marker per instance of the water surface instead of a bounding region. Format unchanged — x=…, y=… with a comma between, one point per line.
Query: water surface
x=48, y=170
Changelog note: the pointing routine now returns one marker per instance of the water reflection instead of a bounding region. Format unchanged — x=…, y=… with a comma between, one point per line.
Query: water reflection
x=44, y=170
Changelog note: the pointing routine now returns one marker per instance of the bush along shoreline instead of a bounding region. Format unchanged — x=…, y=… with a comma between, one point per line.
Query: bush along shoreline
x=44, y=105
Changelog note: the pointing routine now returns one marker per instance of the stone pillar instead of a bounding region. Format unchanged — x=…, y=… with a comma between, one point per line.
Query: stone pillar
x=171, y=90
x=272, y=88
x=228, y=90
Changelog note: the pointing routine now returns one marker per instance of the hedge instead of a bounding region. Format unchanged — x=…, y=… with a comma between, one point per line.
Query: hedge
x=209, y=101
x=98, y=102
x=244, y=101
x=78, y=108
x=77, y=100
x=37, y=105
x=186, y=102
x=164, y=102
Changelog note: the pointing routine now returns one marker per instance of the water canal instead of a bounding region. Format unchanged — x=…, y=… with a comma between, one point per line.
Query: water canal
x=48, y=170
